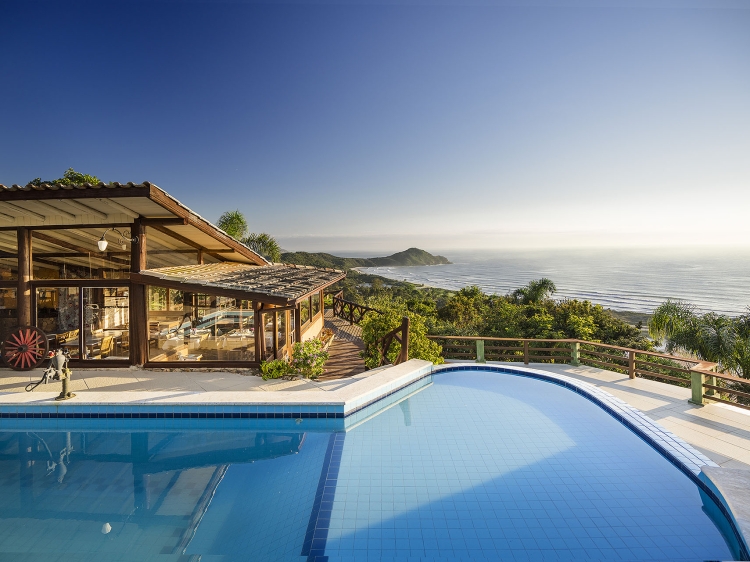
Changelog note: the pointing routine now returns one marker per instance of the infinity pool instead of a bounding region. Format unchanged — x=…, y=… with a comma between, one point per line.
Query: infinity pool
x=476, y=465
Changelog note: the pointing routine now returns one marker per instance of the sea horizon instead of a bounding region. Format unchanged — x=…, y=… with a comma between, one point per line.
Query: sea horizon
x=622, y=279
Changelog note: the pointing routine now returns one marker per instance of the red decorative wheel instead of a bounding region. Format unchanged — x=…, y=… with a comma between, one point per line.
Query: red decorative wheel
x=25, y=348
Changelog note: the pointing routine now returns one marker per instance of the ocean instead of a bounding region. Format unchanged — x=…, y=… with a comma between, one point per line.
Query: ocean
x=628, y=280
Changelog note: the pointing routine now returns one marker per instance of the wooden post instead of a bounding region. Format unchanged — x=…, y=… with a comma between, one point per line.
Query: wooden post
x=480, y=351
x=298, y=324
x=138, y=300
x=258, y=331
x=712, y=381
x=23, y=294
x=696, y=388
x=575, y=354
x=526, y=352
x=404, y=339
x=631, y=364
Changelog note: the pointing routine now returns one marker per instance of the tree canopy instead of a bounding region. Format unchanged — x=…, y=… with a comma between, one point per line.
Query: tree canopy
x=711, y=337
x=233, y=223
x=70, y=177
x=263, y=244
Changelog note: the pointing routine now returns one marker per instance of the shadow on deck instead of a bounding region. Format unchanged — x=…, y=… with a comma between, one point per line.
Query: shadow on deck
x=345, y=360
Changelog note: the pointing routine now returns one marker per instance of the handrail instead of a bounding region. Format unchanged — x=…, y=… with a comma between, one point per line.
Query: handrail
x=699, y=364
x=383, y=345
x=700, y=375
x=349, y=310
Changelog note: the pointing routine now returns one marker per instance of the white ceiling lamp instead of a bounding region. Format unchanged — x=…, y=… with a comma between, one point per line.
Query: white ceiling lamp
x=123, y=237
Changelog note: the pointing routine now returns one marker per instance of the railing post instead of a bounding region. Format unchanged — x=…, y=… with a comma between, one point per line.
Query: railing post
x=525, y=352
x=575, y=354
x=405, y=339
x=631, y=364
x=480, y=351
x=708, y=379
x=696, y=386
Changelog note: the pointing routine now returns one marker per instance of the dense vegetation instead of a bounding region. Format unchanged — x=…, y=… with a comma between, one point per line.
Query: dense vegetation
x=711, y=337
x=528, y=312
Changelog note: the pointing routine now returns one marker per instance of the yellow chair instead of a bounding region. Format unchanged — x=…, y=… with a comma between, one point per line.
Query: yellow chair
x=106, y=347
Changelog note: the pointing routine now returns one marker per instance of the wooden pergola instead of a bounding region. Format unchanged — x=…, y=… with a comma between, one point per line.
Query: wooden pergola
x=49, y=237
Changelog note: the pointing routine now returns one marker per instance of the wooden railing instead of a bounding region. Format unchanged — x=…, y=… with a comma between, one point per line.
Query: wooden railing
x=349, y=310
x=383, y=345
x=719, y=387
x=699, y=376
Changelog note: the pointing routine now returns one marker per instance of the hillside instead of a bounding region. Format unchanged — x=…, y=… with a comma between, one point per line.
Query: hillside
x=412, y=256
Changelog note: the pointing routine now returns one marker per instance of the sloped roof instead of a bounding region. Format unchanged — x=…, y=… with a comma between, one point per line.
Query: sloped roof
x=103, y=204
x=277, y=283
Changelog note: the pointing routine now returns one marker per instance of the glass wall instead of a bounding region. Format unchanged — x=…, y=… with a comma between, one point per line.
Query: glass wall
x=72, y=253
x=106, y=322
x=8, y=316
x=8, y=269
x=58, y=315
x=304, y=311
x=106, y=318
x=281, y=330
x=199, y=327
x=315, y=300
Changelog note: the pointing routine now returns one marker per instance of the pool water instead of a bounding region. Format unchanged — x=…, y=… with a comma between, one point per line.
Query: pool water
x=476, y=465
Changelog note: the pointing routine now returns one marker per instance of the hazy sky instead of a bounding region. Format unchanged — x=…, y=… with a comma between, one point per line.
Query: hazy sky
x=382, y=125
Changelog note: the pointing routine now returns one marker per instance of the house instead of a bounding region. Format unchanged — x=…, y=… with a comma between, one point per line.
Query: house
x=125, y=273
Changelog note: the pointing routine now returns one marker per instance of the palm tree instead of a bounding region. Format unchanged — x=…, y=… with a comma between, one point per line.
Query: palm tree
x=233, y=223
x=534, y=292
x=710, y=336
x=263, y=244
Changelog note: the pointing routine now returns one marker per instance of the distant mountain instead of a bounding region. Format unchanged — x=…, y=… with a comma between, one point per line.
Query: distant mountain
x=412, y=256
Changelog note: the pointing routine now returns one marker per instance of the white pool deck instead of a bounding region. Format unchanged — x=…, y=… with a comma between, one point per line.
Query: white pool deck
x=720, y=432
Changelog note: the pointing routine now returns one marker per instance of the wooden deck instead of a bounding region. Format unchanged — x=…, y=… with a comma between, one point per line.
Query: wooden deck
x=345, y=360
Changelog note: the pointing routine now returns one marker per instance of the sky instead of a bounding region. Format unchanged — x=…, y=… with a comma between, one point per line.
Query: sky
x=376, y=126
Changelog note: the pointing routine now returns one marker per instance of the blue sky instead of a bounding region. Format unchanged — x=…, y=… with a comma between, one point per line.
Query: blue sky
x=377, y=126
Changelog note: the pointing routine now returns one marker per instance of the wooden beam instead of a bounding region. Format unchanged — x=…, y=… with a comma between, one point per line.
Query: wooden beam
x=56, y=210
x=64, y=243
x=23, y=294
x=86, y=209
x=24, y=211
x=187, y=241
x=102, y=226
x=122, y=208
x=164, y=222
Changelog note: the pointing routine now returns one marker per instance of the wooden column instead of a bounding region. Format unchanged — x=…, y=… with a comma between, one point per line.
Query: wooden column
x=138, y=300
x=258, y=330
x=297, y=324
x=23, y=295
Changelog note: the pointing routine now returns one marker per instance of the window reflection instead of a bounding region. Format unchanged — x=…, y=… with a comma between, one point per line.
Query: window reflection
x=199, y=327
x=58, y=315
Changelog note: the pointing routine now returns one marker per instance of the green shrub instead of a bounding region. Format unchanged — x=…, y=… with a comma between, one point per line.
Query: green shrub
x=275, y=369
x=308, y=358
x=375, y=326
